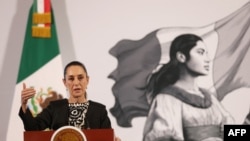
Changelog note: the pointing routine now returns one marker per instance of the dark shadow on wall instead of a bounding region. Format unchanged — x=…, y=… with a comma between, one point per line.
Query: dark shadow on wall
x=13, y=52
x=63, y=31
x=11, y=61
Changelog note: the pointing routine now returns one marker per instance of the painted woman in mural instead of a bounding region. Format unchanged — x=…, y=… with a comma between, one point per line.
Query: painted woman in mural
x=180, y=109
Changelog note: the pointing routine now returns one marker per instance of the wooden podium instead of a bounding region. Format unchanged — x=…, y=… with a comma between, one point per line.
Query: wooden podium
x=91, y=135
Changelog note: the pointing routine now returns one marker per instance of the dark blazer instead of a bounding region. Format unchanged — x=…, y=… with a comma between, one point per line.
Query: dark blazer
x=56, y=115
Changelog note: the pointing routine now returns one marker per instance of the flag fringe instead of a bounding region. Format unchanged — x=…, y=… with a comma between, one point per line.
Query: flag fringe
x=41, y=18
x=42, y=32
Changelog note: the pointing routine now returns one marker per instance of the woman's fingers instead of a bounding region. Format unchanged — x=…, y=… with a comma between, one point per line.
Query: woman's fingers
x=27, y=93
x=24, y=86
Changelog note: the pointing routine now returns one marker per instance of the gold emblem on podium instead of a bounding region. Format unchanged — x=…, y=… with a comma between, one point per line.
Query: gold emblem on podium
x=68, y=133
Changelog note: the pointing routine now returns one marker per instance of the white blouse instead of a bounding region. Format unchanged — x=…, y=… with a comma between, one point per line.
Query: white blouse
x=169, y=116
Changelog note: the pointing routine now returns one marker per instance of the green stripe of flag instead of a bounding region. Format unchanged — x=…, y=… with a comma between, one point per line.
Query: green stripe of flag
x=34, y=6
x=37, y=51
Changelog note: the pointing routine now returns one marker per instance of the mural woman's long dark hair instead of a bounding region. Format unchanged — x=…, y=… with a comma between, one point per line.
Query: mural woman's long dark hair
x=169, y=73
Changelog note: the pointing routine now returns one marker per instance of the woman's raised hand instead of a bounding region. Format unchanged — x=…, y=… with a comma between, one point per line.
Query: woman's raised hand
x=26, y=94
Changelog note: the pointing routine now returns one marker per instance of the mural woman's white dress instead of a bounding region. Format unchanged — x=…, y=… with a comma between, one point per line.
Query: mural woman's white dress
x=178, y=115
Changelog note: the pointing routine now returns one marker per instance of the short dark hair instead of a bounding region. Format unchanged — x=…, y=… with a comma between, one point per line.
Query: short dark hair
x=74, y=63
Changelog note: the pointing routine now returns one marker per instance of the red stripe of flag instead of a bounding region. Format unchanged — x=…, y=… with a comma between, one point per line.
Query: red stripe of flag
x=47, y=9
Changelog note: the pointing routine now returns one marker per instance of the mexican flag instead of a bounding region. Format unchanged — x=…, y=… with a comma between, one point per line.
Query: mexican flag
x=40, y=66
